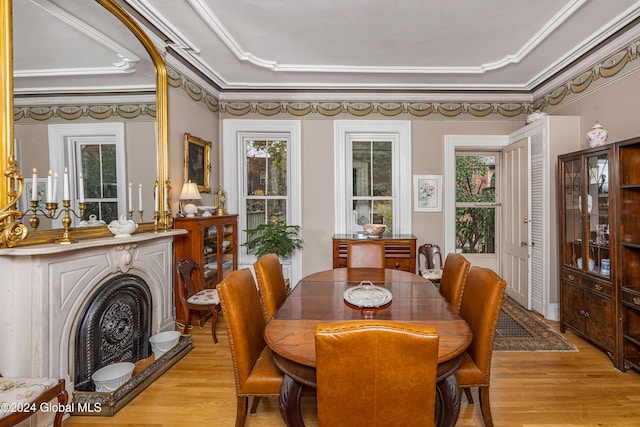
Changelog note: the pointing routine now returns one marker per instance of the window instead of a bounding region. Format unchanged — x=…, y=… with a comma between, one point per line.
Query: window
x=97, y=162
x=372, y=164
x=266, y=178
x=476, y=202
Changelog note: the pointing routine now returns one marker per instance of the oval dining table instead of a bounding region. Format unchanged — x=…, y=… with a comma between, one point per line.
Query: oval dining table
x=318, y=298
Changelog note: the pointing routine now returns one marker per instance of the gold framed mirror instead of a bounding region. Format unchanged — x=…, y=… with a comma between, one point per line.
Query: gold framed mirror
x=12, y=231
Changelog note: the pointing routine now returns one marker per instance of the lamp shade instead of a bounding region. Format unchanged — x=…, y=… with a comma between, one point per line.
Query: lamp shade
x=190, y=191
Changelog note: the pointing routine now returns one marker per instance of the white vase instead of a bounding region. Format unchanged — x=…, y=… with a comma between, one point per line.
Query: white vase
x=597, y=136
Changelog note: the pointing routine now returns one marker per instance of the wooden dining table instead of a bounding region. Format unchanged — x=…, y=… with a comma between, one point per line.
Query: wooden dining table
x=318, y=299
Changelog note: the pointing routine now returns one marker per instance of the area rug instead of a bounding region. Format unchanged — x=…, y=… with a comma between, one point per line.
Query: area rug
x=520, y=330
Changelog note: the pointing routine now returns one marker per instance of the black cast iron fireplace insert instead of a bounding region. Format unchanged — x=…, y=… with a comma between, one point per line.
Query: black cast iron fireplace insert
x=114, y=326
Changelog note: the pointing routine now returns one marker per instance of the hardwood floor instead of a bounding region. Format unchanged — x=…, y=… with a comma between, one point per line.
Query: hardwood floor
x=527, y=389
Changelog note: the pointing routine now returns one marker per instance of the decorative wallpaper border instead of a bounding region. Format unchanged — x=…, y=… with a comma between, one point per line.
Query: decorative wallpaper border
x=120, y=111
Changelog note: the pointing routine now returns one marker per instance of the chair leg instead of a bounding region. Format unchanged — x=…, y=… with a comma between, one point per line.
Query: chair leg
x=214, y=319
x=63, y=398
x=254, y=405
x=467, y=393
x=485, y=408
x=186, y=313
x=241, y=412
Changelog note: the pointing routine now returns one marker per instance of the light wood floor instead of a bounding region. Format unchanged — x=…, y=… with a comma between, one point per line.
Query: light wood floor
x=528, y=389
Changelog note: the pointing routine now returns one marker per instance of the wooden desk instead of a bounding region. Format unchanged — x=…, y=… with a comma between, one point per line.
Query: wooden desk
x=318, y=298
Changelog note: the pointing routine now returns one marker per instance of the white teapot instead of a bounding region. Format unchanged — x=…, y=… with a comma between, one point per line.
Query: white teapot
x=122, y=227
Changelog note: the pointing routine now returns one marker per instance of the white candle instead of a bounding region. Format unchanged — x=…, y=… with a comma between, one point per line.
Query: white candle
x=49, y=188
x=155, y=197
x=65, y=185
x=81, y=187
x=166, y=198
x=130, y=202
x=34, y=185
x=54, y=195
x=140, y=197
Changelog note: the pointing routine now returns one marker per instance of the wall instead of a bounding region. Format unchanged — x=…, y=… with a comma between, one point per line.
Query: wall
x=186, y=115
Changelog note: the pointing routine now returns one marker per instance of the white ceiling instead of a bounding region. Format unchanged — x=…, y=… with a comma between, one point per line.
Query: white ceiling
x=492, y=46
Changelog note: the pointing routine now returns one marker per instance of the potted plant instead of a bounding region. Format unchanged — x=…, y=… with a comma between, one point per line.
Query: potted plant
x=274, y=237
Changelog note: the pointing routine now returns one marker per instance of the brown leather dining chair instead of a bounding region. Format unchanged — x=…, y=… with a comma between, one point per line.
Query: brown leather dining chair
x=431, y=267
x=454, y=278
x=365, y=254
x=255, y=372
x=193, y=298
x=481, y=303
x=376, y=374
x=271, y=284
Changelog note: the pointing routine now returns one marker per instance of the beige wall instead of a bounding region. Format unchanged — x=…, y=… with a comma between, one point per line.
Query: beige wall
x=187, y=116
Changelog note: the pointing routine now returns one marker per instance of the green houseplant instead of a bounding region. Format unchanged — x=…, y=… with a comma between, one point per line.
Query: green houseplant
x=275, y=237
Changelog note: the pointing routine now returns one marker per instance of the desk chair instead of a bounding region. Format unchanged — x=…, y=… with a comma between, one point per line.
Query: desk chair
x=31, y=393
x=481, y=303
x=376, y=373
x=365, y=254
x=255, y=371
x=194, y=299
x=271, y=284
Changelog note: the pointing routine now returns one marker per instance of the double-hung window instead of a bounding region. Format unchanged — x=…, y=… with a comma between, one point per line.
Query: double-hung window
x=373, y=175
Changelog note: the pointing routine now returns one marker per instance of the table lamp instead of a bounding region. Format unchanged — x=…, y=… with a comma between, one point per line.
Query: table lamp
x=190, y=192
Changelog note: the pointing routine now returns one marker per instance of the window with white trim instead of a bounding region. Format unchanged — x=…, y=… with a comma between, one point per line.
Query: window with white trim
x=373, y=175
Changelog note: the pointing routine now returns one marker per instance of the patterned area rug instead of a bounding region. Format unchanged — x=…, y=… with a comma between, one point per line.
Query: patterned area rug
x=520, y=330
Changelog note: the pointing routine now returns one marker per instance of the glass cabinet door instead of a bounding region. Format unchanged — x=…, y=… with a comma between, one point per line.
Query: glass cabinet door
x=227, y=250
x=572, y=170
x=598, y=214
x=210, y=252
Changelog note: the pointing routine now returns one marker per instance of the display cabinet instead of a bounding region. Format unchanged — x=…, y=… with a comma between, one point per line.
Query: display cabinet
x=627, y=264
x=212, y=241
x=587, y=253
x=400, y=251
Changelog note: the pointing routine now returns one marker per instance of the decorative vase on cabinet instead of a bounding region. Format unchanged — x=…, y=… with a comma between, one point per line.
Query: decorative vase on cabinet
x=212, y=241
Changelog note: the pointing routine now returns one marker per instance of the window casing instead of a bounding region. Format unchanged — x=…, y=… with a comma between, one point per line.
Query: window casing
x=373, y=174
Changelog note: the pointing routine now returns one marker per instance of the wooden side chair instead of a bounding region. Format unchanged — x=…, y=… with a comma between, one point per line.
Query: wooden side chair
x=255, y=371
x=431, y=267
x=481, y=303
x=271, y=284
x=28, y=394
x=454, y=278
x=365, y=254
x=376, y=374
x=194, y=298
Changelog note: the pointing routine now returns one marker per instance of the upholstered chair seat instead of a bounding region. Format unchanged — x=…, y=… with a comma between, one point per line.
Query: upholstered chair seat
x=193, y=297
x=430, y=263
x=30, y=393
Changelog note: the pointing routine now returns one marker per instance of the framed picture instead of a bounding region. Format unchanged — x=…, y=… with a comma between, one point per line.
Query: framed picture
x=427, y=190
x=197, y=166
x=25, y=197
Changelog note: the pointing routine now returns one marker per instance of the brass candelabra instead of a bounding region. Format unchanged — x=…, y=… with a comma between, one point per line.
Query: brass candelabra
x=53, y=213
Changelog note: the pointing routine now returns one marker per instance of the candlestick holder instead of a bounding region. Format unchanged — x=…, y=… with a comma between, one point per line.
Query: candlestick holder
x=53, y=213
x=156, y=218
x=131, y=215
x=141, y=217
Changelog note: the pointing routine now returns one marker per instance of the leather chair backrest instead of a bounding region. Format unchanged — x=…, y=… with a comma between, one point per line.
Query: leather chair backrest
x=481, y=303
x=454, y=278
x=271, y=284
x=240, y=305
x=365, y=254
x=432, y=256
x=378, y=373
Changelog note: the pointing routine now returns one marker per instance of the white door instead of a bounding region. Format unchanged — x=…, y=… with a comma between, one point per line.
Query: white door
x=516, y=231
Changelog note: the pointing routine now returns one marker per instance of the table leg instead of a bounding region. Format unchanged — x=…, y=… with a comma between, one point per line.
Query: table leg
x=290, y=394
x=449, y=401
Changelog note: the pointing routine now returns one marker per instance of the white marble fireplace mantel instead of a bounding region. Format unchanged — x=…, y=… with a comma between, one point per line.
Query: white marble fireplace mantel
x=43, y=289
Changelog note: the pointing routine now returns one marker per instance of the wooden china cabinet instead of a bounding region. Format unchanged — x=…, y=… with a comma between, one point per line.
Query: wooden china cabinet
x=212, y=241
x=600, y=248
x=587, y=203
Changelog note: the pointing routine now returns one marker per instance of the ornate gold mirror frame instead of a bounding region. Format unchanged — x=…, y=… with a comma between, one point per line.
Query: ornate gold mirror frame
x=12, y=231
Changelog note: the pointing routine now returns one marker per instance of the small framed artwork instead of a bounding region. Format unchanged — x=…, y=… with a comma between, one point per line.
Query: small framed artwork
x=27, y=193
x=427, y=191
x=197, y=166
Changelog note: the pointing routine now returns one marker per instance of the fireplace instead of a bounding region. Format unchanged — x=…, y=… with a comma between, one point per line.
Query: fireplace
x=113, y=327
x=47, y=288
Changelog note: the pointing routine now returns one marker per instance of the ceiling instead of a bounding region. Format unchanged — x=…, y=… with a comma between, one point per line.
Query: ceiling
x=489, y=46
